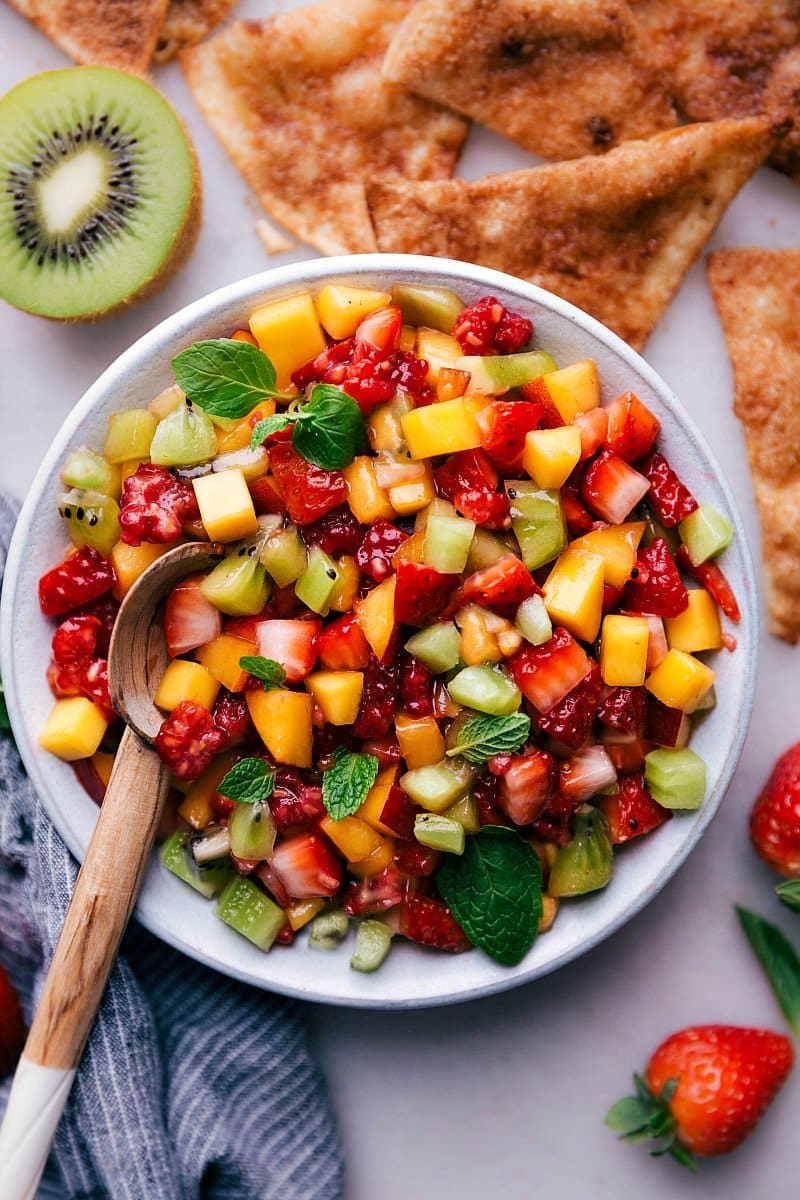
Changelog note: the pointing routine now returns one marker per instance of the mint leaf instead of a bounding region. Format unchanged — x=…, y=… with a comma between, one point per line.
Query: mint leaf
x=481, y=737
x=249, y=781
x=788, y=893
x=779, y=960
x=345, y=784
x=224, y=377
x=495, y=892
x=329, y=430
x=265, y=428
x=271, y=673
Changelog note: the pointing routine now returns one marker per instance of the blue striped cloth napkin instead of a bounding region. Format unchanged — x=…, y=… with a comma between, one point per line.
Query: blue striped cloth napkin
x=192, y=1085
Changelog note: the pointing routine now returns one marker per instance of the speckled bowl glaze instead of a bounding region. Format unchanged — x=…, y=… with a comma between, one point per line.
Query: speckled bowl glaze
x=411, y=976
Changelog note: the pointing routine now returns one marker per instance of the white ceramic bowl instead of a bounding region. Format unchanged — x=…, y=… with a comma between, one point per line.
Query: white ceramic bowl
x=412, y=976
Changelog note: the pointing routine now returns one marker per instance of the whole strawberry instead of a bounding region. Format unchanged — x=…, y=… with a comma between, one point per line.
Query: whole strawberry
x=775, y=819
x=12, y=1028
x=704, y=1090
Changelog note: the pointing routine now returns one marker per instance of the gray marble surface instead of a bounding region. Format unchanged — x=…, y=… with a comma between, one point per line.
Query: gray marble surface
x=504, y=1096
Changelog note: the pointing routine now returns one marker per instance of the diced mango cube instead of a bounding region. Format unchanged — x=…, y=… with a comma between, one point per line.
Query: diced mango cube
x=347, y=589
x=697, y=627
x=573, y=593
x=375, y=615
x=408, y=498
x=337, y=694
x=226, y=506
x=617, y=546
x=221, y=658
x=74, y=729
x=681, y=681
x=442, y=428
x=367, y=499
x=479, y=644
x=420, y=740
x=372, y=807
x=574, y=389
x=551, y=454
x=184, y=680
x=375, y=862
x=412, y=550
x=438, y=349
x=300, y=912
x=341, y=308
x=130, y=562
x=384, y=429
x=623, y=650
x=289, y=332
x=352, y=836
x=195, y=808
x=283, y=721
x=238, y=437
x=103, y=764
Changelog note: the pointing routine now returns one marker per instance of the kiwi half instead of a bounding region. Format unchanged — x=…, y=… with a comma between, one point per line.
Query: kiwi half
x=99, y=192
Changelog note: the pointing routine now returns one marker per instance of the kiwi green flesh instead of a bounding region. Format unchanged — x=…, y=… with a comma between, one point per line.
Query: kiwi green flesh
x=97, y=185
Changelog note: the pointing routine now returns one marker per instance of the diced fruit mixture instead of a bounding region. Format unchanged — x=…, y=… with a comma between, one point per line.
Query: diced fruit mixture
x=451, y=659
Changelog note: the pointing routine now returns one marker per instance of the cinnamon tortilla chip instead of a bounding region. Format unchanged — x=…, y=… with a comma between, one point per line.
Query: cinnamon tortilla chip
x=733, y=59
x=614, y=235
x=187, y=22
x=298, y=102
x=757, y=293
x=563, y=78
x=113, y=33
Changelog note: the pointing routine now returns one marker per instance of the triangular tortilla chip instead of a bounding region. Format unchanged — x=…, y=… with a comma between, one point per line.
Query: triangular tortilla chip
x=757, y=293
x=731, y=59
x=299, y=104
x=562, y=77
x=614, y=235
x=100, y=31
x=187, y=22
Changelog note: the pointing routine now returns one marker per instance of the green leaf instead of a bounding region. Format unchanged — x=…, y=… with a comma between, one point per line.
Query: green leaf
x=481, y=737
x=788, y=893
x=5, y=722
x=629, y=1115
x=249, y=781
x=779, y=959
x=264, y=429
x=495, y=892
x=345, y=784
x=271, y=673
x=329, y=430
x=224, y=377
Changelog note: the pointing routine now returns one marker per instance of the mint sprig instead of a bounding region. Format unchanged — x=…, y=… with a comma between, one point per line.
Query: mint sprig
x=271, y=673
x=347, y=781
x=226, y=378
x=494, y=891
x=481, y=737
x=779, y=960
x=328, y=431
x=249, y=782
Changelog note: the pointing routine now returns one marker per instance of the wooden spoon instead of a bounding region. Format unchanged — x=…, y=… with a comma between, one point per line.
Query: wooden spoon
x=107, y=884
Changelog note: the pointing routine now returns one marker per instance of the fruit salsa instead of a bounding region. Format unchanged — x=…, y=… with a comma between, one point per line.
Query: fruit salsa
x=447, y=661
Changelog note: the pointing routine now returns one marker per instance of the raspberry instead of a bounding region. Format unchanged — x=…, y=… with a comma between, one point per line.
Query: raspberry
x=416, y=683
x=485, y=793
x=570, y=721
x=76, y=581
x=671, y=499
x=326, y=367
x=188, y=740
x=622, y=708
x=105, y=610
x=368, y=384
x=513, y=332
x=656, y=586
x=95, y=687
x=295, y=805
x=337, y=532
x=75, y=640
x=380, y=542
x=155, y=505
x=410, y=374
x=414, y=859
x=469, y=479
x=232, y=717
x=487, y=326
x=376, y=714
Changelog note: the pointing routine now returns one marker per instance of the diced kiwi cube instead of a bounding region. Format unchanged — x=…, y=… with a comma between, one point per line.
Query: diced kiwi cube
x=129, y=435
x=447, y=543
x=439, y=832
x=252, y=831
x=438, y=646
x=675, y=778
x=705, y=533
x=436, y=787
x=537, y=519
x=183, y=439
x=89, y=472
x=249, y=910
x=435, y=307
x=586, y=862
x=285, y=556
x=533, y=621
x=487, y=549
x=207, y=880
x=238, y=586
x=318, y=583
x=328, y=929
x=373, y=943
x=486, y=689
x=498, y=372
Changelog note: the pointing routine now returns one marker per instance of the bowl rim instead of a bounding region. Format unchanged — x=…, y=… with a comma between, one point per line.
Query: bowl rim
x=315, y=272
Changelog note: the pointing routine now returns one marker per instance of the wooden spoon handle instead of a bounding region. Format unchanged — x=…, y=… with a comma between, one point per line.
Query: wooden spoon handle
x=105, y=893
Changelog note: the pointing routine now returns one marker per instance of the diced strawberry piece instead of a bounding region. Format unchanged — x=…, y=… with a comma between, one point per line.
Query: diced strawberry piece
x=526, y=786
x=671, y=499
x=76, y=581
x=232, y=717
x=711, y=576
x=586, y=773
x=368, y=383
x=611, y=597
x=632, y=811
x=627, y=751
x=376, y=893
x=75, y=640
x=416, y=860
x=622, y=708
x=398, y=812
x=94, y=687
x=570, y=720
x=379, y=333
x=470, y=480
x=537, y=392
x=66, y=679
x=501, y=587
x=342, y=646
x=378, y=701
x=656, y=586
x=273, y=883
x=632, y=428
x=554, y=823
x=155, y=505
x=323, y=367
x=665, y=726
x=385, y=749
x=307, y=866
x=546, y=674
x=407, y=373
x=428, y=920
x=578, y=519
x=503, y=425
x=611, y=488
x=266, y=497
x=416, y=687
x=421, y=593
x=243, y=627
x=593, y=426
x=293, y=644
x=188, y=740
x=488, y=326
x=190, y=620
x=379, y=545
x=308, y=492
x=295, y=804
x=105, y=611
x=338, y=532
